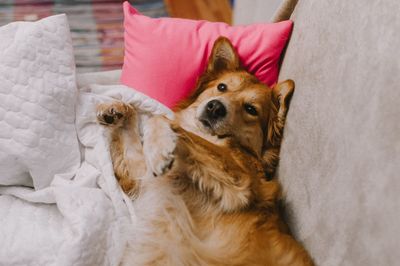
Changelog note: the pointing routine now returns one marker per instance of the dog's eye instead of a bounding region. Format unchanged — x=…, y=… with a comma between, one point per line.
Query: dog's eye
x=222, y=87
x=250, y=109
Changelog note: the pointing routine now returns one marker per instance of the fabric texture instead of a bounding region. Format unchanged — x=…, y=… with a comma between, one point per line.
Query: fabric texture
x=37, y=102
x=340, y=159
x=164, y=57
x=81, y=218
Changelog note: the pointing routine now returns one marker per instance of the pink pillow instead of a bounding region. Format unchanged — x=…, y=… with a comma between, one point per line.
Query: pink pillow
x=165, y=56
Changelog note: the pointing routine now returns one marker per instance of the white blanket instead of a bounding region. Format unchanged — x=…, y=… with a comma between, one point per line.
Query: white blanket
x=81, y=217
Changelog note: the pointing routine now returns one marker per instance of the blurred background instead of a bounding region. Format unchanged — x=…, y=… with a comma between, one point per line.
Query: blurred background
x=97, y=25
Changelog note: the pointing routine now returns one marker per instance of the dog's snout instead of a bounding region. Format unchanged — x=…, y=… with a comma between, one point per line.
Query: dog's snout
x=215, y=109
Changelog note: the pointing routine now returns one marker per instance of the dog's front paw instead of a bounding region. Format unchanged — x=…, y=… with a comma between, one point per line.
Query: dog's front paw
x=113, y=114
x=159, y=142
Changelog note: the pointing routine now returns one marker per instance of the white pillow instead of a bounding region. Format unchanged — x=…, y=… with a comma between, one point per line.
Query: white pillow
x=37, y=102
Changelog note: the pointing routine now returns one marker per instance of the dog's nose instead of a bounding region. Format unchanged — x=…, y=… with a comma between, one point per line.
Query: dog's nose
x=215, y=110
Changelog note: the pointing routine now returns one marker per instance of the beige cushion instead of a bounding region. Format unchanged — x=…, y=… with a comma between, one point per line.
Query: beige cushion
x=340, y=163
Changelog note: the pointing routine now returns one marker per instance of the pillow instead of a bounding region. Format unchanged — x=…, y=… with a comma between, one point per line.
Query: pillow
x=165, y=56
x=37, y=102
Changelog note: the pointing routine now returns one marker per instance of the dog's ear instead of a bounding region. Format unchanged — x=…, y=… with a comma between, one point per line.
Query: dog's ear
x=223, y=56
x=281, y=96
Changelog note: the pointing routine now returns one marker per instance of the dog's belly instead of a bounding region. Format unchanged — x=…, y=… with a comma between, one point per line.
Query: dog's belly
x=166, y=234
x=162, y=234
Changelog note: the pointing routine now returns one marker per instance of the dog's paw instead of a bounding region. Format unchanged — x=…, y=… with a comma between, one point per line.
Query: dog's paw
x=113, y=114
x=159, y=142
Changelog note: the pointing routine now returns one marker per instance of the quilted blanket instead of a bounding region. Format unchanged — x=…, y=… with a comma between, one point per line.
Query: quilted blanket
x=59, y=201
x=79, y=220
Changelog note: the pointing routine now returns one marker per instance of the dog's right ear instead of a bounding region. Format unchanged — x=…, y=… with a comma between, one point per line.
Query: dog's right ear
x=223, y=56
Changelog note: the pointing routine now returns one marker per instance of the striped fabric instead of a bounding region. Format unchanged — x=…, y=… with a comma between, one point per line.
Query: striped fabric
x=96, y=25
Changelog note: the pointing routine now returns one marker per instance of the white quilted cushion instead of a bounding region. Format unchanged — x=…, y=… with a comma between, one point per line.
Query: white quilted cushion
x=37, y=102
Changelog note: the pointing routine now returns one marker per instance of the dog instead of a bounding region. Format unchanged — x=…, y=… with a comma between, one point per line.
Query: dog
x=202, y=184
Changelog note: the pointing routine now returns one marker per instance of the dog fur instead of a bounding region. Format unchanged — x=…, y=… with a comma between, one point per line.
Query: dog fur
x=203, y=185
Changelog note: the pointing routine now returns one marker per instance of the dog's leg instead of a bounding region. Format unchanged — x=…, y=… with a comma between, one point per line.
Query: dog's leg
x=159, y=142
x=125, y=145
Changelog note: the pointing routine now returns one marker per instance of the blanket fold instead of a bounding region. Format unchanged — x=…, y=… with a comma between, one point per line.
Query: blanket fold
x=83, y=216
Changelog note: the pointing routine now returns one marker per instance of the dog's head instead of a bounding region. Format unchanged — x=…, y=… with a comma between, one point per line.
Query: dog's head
x=230, y=103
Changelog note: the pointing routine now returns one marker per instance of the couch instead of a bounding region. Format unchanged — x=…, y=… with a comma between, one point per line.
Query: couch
x=340, y=158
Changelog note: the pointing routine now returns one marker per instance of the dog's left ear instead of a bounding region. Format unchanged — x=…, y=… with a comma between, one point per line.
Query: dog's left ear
x=281, y=96
x=223, y=56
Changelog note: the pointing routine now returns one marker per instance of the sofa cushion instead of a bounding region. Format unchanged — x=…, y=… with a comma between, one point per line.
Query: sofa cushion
x=340, y=160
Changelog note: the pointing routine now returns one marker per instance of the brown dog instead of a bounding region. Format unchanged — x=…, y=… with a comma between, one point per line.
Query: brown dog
x=212, y=202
